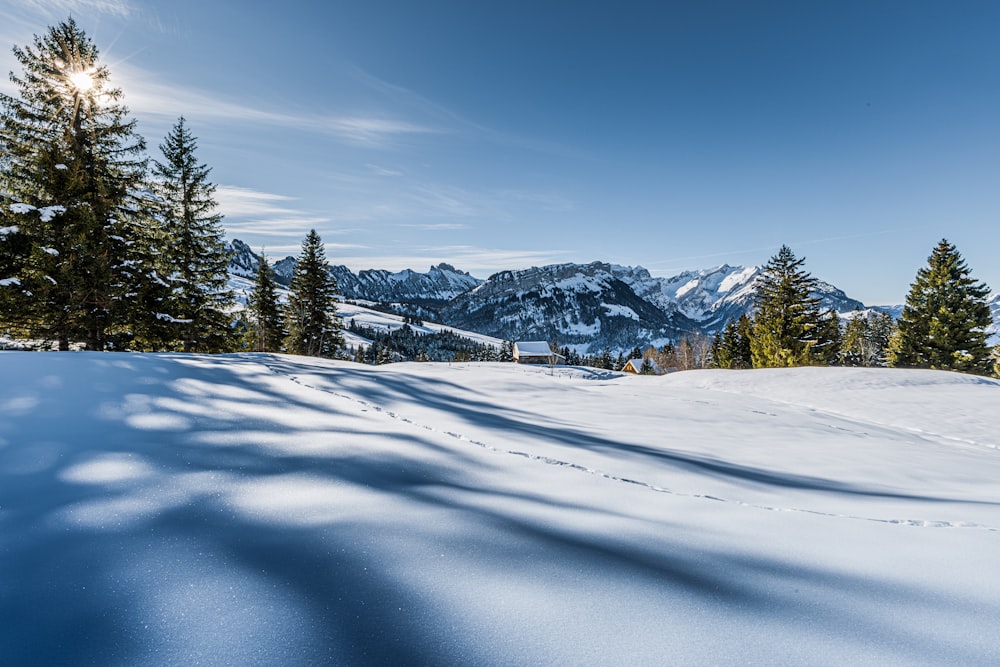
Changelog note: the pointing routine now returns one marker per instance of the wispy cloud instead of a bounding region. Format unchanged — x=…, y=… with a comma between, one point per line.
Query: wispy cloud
x=406, y=97
x=383, y=171
x=362, y=197
x=148, y=95
x=437, y=227
x=249, y=211
x=62, y=8
x=546, y=201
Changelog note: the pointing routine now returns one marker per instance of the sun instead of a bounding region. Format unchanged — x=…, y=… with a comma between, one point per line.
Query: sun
x=82, y=81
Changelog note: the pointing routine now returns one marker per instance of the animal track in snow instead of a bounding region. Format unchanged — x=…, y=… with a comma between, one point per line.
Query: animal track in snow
x=548, y=460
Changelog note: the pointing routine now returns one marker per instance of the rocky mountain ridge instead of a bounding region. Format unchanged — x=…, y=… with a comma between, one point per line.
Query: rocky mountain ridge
x=587, y=306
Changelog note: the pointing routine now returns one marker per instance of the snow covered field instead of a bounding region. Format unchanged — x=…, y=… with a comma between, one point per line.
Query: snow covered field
x=267, y=509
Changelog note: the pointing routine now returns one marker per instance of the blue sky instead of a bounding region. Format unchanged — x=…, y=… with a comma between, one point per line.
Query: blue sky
x=492, y=135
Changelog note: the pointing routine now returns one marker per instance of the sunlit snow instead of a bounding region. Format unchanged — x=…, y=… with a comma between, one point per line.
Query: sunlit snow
x=268, y=509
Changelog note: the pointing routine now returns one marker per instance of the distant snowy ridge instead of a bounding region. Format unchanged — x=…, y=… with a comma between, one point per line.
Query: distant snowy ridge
x=598, y=305
x=587, y=306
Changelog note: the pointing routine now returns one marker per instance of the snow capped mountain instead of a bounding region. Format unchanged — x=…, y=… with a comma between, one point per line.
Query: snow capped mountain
x=713, y=296
x=244, y=261
x=589, y=306
x=600, y=305
x=439, y=285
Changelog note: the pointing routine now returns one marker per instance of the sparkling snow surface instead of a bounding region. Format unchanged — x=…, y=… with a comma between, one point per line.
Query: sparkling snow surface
x=266, y=509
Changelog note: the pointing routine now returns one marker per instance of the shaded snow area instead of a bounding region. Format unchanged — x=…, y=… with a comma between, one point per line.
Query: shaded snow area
x=267, y=509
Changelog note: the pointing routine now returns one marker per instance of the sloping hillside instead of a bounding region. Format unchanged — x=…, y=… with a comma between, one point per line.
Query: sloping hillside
x=261, y=509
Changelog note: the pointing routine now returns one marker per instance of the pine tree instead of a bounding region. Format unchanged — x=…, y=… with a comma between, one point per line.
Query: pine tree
x=866, y=339
x=788, y=327
x=731, y=348
x=944, y=321
x=14, y=248
x=829, y=337
x=195, y=260
x=854, y=351
x=73, y=165
x=265, y=321
x=311, y=314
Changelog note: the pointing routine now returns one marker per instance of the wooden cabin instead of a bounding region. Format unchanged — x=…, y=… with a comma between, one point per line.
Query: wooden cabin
x=536, y=352
x=634, y=366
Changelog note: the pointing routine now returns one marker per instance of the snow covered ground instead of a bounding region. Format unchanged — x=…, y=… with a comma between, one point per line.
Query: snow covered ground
x=243, y=287
x=268, y=509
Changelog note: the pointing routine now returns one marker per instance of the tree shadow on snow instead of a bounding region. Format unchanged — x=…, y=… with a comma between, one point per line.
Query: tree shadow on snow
x=122, y=540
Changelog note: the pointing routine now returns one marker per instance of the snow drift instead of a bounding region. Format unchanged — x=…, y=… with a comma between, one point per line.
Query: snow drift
x=266, y=509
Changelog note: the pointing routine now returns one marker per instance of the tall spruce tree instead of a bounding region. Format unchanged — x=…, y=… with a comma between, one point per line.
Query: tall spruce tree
x=789, y=329
x=311, y=313
x=194, y=260
x=265, y=320
x=731, y=348
x=944, y=321
x=72, y=167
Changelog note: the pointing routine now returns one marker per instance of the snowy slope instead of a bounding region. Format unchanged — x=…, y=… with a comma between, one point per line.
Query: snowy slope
x=262, y=509
x=243, y=287
x=389, y=322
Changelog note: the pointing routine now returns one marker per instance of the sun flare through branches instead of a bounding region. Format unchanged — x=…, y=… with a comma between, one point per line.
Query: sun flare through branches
x=82, y=81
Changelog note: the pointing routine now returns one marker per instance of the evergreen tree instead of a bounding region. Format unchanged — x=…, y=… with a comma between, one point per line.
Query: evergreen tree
x=265, y=321
x=148, y=327
x=854, y=351
x=866, y=339
x=195, y=261
x=788, y=327
x=311, y=315
x=945, y=318
x=14, y=247
x=72, y=165
x=829, y=337
x=731, y=348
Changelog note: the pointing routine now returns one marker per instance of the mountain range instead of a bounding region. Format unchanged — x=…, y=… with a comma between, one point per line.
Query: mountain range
x=589, y=307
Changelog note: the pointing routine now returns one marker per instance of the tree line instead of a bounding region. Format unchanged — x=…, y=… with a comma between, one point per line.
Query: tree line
x=104, y=248
x=943, y=324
